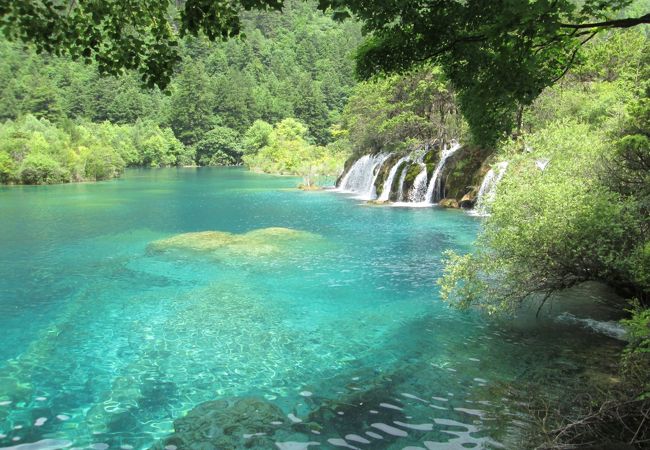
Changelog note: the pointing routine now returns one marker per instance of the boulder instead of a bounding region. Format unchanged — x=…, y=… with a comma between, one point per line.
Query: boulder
x=468, y=200
x=448, y=203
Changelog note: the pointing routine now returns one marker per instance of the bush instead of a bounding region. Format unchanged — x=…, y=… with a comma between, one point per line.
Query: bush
x=220, y=146
x=550, y=229
x=34, y=151
x=38, y=168
x=103, y=163
x=290, y=152
x=7, y=168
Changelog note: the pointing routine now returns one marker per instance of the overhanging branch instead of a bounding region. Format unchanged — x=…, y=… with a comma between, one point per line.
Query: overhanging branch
x=618, y=23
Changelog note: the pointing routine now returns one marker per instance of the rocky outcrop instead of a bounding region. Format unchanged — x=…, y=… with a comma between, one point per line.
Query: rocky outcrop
x=448, y=203
x=464, y=172
x=468, y=200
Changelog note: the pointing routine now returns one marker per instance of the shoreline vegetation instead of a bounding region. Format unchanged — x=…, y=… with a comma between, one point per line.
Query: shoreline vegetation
x=569, y=115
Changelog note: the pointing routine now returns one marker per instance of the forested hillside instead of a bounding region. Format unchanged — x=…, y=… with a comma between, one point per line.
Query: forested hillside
x=296, y=64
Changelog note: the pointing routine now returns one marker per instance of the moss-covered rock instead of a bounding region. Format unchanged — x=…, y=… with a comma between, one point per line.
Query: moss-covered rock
x=412, y=172
x=263, y=242
x=384, y=170
x=464, y=171
x=449, y=203
x=431, y=160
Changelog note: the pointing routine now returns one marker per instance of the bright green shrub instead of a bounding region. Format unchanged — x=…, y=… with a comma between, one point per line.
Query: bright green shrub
x=38, y=168
x=220, y=146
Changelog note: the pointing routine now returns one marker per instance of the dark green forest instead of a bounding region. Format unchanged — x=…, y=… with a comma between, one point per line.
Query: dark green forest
x=64, y=122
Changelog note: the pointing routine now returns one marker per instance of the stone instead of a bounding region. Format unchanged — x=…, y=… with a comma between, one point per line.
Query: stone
x=448, y=203
x=468, y=200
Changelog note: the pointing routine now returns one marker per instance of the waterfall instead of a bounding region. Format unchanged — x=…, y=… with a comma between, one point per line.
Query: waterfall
x=433, y=191
x=419, y=190
x=488, y=190
x=361, y=177
x=388, y=184
x=402, y=177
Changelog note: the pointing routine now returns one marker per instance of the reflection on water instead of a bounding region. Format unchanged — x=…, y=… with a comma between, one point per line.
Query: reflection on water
x=303, y=321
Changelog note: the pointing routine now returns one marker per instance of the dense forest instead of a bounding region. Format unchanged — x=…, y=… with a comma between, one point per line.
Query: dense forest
x=568, y=112
x=223, y=102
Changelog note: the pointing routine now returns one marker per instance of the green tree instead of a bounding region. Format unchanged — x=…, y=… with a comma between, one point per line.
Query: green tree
x=123, y=35
x=499, y=55
x=191, y=104
x=7, y=168
x=39, y=168
x=288, y=151
x=550, y=229
x=256, y=137
x=220, y=146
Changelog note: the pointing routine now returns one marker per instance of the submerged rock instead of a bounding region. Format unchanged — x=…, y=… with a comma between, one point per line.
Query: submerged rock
x=256, y=243
x=234, y=423
x=310, y=187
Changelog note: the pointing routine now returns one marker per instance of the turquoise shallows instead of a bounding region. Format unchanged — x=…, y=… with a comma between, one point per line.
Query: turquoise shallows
x=107, y=338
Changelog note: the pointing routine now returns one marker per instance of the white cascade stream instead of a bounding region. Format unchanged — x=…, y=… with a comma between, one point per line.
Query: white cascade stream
x=433, y=191
x=419, y=190
x=385, y=192
x=488, y=190
x=361, y=177
x=402, y=177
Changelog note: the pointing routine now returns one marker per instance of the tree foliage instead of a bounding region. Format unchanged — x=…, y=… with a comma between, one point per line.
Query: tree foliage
x=289, y=151
x=35, y=151
x=388, y=114
x=499, y=55
x=582, y=216
x=122, y=35
x=291, y=64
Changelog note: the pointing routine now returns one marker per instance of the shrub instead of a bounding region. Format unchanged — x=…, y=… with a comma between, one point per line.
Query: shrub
x=38, y=168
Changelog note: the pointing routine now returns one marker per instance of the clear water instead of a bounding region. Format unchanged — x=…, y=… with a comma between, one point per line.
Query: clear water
x=105, y=341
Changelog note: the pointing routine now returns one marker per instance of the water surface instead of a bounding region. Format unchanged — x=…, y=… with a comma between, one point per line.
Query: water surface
x=107, y=338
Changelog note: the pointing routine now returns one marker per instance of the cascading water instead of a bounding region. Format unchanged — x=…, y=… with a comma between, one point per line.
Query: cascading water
x=361, y=177
x=488, y=190
x=419, y=190
x=388, y=184
x=434, y=193
x=402, y=177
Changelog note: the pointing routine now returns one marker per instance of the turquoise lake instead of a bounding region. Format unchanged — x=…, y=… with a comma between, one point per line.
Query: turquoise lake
x=110, y=330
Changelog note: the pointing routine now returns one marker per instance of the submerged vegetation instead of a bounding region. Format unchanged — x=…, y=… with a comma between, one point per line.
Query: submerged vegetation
x=261, y=243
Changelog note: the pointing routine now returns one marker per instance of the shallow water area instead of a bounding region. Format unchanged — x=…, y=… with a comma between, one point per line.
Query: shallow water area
x=126, y=305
